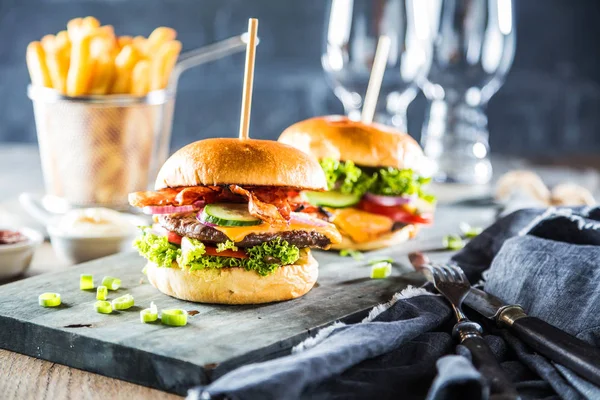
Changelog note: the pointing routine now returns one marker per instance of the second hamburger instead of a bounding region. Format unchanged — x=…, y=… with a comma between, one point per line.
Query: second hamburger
x=376, y=194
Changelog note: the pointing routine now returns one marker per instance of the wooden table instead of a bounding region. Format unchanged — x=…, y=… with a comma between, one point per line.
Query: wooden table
x=25, y=377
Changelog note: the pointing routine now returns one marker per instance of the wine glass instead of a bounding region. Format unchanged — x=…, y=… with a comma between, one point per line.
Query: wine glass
x=473, y=49
x=352, y=30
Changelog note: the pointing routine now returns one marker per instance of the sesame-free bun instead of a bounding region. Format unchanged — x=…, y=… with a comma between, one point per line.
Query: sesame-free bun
x=236, y=285
x=369, y=145
x=247, y=162
x=389, y=239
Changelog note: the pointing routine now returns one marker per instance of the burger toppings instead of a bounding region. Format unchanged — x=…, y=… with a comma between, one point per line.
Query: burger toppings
x=264, y=258
x=394, y=193
x=227, y=214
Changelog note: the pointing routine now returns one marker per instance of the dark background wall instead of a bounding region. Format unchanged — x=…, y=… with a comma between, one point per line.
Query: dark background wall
x=549, y=105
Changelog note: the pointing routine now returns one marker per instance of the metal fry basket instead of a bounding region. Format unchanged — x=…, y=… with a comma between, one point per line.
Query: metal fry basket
x=97, y=149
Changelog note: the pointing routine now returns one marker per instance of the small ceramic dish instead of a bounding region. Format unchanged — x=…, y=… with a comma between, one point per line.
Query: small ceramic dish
x=15, y=258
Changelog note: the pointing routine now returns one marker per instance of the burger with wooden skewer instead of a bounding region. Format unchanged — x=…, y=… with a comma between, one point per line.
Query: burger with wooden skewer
x=376, y=194
x=227, y=230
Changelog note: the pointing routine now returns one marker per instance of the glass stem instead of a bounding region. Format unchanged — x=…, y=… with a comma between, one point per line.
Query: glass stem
x=455, y=139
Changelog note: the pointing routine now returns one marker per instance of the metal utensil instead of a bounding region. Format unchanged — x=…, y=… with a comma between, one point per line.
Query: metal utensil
x=544, y=338
x=452, y=283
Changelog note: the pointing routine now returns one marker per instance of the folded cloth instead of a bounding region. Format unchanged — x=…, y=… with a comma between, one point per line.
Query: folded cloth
x=546, y=260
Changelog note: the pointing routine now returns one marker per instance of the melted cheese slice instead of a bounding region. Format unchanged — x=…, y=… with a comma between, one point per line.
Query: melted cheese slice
x=360, y=225
x=298, y=222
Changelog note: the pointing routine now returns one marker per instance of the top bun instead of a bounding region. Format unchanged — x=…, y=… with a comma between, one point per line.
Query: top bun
x=247, y=162
x=368, y=145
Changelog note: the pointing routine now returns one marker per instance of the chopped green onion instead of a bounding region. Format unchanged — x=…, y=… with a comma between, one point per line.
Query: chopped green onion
x=111, y=283
x=174, y=317
x=453, y=242
x=149, y=314
x=49, y=299
x=86, y=281
x=123, y=302
x=470, y=231
x=145, y=270
x=381, y=270
x=101, y=293
x=103, y=307
x=374, y=261
x=357, y=255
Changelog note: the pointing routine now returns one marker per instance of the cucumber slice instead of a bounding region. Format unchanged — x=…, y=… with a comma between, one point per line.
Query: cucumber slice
x=229, y=214
x=332, y=199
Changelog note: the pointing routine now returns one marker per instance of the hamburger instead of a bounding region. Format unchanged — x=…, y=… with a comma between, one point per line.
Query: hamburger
x=229, y=224
x=376, y=195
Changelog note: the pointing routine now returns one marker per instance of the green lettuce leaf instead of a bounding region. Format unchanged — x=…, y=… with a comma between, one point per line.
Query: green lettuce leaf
x=156, y=249
x=346, y=177
x=264, y=259
x=228, y=245
x=350, y=179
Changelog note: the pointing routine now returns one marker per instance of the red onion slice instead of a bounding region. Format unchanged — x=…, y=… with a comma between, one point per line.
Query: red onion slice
x=389, y=201
x=168, y=209
x=307, y=219
x=200, y=219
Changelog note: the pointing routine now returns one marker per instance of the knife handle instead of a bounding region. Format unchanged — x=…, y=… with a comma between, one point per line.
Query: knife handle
x=484, y=360
x=557, y=345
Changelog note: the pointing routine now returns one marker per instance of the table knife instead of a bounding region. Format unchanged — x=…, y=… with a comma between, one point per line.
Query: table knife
x=544, y=338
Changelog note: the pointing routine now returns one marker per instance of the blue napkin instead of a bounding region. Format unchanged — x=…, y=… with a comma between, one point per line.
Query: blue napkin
x=546, y=260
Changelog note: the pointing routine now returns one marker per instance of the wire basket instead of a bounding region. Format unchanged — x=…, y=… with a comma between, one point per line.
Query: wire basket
x=97, y=149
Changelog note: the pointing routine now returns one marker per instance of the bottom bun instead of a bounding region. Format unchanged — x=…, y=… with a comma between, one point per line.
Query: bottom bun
x=400, y=236
x=236, y=285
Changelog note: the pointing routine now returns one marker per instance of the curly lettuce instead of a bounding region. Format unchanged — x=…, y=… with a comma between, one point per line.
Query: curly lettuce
x=348, y=178
x=264, y=259
x=156, y=249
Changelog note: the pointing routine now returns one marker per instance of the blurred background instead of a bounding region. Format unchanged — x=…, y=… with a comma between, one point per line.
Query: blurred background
x=547, y=107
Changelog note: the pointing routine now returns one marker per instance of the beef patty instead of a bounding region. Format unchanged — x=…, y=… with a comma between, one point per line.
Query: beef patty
x=187, y=225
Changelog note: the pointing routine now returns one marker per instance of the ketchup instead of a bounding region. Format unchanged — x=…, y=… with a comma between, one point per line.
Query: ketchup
x=11, y=237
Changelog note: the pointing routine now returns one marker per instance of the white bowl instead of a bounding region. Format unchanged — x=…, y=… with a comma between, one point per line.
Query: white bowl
x=16, y=258
x=78, y=249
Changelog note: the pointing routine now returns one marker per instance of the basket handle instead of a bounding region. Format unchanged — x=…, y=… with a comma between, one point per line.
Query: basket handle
x=205, y=54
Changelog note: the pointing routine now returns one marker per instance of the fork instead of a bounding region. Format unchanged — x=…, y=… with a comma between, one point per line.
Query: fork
x=453, y=284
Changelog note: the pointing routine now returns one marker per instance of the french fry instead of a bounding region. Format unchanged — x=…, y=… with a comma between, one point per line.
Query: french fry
x=47, y=42
x=140, y=78
x=88, y=24
x=124, y=63
x=163, y=64
x=36, y=63
x=124, y=40
x=102, y=75
x=73, y=28
x=141, y=45
x=57, y=60
x=160, y=35
x=80, y=70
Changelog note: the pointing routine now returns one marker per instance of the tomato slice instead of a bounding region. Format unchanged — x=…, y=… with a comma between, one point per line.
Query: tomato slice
x=212, y=251
x=396, y=213
x=174, y=238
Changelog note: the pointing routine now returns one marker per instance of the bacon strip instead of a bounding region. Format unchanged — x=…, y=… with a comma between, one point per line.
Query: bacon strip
x=269, y=213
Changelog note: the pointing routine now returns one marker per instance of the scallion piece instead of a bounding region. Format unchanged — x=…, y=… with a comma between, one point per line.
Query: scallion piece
x=123, y=302
x=111, y=283
x=145, y=270
x=174, y=317
x=470, y=231
x=357, y=255
x=381, y=270
x=101, y=293
x=453, y=242
x=86, y=281
x=103, y=307
x=149, y=314
x=49, y=299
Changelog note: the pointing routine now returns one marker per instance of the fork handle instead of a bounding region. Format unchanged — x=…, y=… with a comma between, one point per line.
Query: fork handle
x=484, y=360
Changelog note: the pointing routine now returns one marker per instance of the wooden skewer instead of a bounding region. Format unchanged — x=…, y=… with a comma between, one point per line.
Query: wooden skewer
x=248, y=79
x=381, y=57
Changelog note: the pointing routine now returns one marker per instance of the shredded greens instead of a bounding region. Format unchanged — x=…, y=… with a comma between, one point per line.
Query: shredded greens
x=228, y=245
x=264, y=259
x=347, y=178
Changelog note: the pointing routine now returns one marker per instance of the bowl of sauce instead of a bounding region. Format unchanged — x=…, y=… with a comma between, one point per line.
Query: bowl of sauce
x=17, y=247
x=85, y=234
